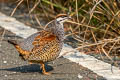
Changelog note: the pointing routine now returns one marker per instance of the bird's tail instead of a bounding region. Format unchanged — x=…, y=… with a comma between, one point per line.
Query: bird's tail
x=22, y=53
x=14, y=42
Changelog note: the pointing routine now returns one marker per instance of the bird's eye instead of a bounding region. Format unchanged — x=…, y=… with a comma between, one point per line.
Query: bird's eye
x=64, y=16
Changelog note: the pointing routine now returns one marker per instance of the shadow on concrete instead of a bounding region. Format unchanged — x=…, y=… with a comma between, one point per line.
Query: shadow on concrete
x=28, y=68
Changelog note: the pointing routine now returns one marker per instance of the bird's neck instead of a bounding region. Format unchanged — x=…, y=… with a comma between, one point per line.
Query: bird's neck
x=57, y=29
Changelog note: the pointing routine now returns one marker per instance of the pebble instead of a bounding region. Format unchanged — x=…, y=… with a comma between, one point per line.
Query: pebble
x=79, y=76
x=14, y=72
x=4, y=61
x=5, y=75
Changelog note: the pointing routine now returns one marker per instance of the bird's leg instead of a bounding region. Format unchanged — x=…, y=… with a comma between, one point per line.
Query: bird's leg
x=30, y=63
x=43, y=69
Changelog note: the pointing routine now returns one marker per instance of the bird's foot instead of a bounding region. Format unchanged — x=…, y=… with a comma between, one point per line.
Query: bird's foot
x=30, y=63
x=46, y=73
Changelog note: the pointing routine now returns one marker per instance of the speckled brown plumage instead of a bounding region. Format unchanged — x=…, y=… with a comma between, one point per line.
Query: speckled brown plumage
x=43, y=46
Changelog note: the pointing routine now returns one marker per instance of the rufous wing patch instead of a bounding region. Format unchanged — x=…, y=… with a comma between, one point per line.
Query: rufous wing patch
x=41, y=40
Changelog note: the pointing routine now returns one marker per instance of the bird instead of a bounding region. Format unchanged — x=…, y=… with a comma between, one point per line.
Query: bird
x=45, y=45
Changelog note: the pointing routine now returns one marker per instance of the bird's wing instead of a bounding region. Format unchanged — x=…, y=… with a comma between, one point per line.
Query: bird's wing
x=44, y=44
x=26, y=44
x=37, y=39
x=43, y=37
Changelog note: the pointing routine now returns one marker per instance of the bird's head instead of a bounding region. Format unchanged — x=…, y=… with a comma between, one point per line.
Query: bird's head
x=61, y=18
